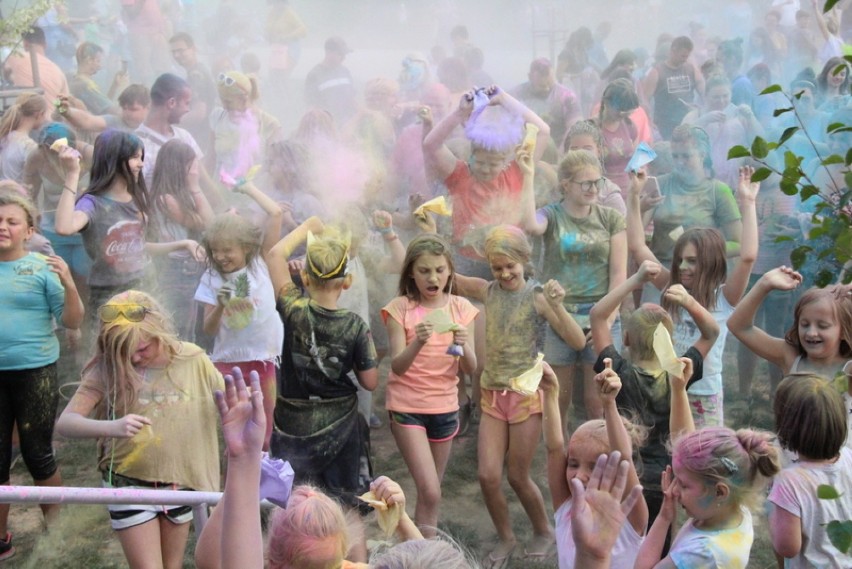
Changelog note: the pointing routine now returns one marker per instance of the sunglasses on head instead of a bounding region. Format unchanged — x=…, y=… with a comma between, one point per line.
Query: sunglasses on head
x=226, y=80
x=131, y=312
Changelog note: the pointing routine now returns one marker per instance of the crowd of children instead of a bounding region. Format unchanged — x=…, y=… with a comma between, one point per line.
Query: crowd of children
x=251, y=273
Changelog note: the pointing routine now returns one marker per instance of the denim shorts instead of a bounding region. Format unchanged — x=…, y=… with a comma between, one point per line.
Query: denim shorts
x=558, y=353
x=439, y=427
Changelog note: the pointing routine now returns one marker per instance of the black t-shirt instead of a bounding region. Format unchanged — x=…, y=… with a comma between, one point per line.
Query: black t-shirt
x=645, y=398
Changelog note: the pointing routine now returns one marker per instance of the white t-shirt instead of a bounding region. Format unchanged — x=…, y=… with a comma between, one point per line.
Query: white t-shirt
x=847, y=400
x=153, y=141
x=795, y=490
x=686, y=333
x=624, y=551
x=249, y=331
x=694, y=548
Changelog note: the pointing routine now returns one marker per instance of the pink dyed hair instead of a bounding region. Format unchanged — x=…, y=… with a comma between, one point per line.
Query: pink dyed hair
x=311, y=533
x=740, y=459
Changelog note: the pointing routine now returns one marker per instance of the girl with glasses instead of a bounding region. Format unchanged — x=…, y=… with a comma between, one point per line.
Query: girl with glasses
x=148, y=399
x=585, y=251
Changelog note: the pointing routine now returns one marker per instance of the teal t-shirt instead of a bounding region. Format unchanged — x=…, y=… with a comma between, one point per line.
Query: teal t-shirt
x=30, y=296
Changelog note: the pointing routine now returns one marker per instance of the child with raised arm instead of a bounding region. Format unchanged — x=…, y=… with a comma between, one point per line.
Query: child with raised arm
x=238, y=296
x=717, y=475
x=645, y=391
x=700, y=265
x=518, y=309
x=590, y=440
x=318, y=427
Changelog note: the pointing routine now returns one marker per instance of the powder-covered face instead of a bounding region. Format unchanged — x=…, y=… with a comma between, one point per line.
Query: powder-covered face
x=583, y=142
x=688, y=265
x=507, y=271
x=583, y=188
x=485, y=165
x=819, y=330
x=695, y=495
x=147, y=352
x=583, y=452
x=718, y=98
x=135, y=164
x=688, y=162
x=14, y=229
x=430, y=274
x=228, y=256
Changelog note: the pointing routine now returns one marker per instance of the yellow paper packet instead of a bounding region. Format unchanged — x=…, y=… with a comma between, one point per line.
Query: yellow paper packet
x=527, y=382
x=442, y=322
x=666, y=353
x=388, y=516
x=530, y=134
x=437, y=205
x=59, y=144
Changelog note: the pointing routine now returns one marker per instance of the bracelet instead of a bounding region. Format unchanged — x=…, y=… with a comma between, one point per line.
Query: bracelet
x=66, y=188
x=385, y=230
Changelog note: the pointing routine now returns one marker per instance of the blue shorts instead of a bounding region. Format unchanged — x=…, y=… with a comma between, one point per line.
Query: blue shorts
x=439, y=428
x=558, y=353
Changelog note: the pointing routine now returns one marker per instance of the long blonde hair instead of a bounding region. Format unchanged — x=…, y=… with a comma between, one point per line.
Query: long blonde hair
x=27, y=105
x=116, y=343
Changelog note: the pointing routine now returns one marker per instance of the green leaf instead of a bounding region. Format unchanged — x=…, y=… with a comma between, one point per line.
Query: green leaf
x=799, y=255
x=791, y=162
x=738, y=152
x=848, y=159
x=761, y=174
x=840, y=534
x=771, y=89
x=824, y=278
x=779, y=112
x=829, y=4
x=833, y=159
x=789, y=187
x=788, y=132
x=783, y=239
x=837, y=128
x=759, y=149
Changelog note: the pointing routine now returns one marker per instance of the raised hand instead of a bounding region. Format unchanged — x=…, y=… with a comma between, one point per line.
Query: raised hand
x=525, y=161
x=597, y=512
x=386, y=489
x=608, y=382
x=782, y=278
x=58, y=265
x=549, y=382
x=553, y=292
x=241, y=410
x=648, y=271
x=747, y=190
x=668, y=511
x=677, y=294
x=679, y=383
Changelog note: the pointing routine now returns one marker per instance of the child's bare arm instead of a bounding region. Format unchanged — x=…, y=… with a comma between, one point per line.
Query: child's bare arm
x=470, y=287
x=532, y=222
x=737, y=281
x=368, y=378
x=636, y=230
x=435, y=152
x=741, y=321
x=274, y=213
x=386, y=489
x=548, y=303
x=703, y=319
x=680, y=420
x=601, y=311
x=609, y=384
x=651, y=549
x=554, y=439
x=392, y=263
x=277, y=257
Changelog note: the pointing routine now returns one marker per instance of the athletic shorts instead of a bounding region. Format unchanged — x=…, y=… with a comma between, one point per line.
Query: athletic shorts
x=510, y=406
x=439, y=427
x=123, y=516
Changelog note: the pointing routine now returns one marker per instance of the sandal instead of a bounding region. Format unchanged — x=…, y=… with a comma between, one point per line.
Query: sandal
x=6, y=549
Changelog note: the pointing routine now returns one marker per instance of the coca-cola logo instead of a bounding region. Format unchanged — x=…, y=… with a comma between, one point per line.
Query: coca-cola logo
x=124, y=246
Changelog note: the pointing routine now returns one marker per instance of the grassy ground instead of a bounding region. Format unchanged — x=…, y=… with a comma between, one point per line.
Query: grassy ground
x=83, y=539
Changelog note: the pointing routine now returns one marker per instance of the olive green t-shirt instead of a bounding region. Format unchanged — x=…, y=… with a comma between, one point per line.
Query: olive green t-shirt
x=577, y=251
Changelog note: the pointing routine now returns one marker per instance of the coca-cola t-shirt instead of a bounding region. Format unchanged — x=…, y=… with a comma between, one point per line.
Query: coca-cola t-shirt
x=114, y=239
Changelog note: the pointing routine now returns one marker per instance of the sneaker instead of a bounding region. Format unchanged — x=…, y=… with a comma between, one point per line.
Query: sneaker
x=375, y=422
x=6, y=549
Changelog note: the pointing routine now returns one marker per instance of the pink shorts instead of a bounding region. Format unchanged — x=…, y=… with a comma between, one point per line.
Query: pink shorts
x=268, y=385
x=510, y=406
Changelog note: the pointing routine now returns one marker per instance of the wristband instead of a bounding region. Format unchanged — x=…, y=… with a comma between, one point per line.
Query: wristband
x=385, y=230
x=66, y=188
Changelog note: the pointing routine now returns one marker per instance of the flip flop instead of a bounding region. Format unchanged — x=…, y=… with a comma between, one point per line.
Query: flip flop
x=540, y=556
x=498, y=562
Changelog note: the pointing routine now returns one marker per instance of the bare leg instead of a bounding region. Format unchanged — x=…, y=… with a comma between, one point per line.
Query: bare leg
x=493, y=443
x=426, y=461
x=523, y=441
x=145, y=548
